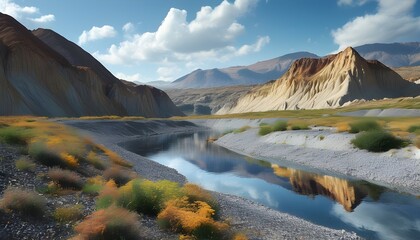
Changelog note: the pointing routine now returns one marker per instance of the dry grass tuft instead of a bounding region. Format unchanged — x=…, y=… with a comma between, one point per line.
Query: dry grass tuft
x=69, y=213
x=25, y=202
x=120, y=175
x=25, y=164
x=66, y=178
x=109, y=224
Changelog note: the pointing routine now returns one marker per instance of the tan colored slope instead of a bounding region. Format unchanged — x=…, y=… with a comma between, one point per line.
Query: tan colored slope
x=37, y=80
x=327, y=82
x=411, y=74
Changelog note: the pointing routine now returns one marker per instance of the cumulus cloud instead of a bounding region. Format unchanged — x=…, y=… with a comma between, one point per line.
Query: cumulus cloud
x=211, y=34
x=167, y=73
x=96, y=33
x=17, y=11
x=44, y=19
x=393, y=21
x=131, y=78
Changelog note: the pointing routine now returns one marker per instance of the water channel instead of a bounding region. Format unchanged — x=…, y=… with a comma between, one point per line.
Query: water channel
x=372, y=211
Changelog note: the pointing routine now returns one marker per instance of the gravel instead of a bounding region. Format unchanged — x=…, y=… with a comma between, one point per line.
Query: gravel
x=256, y=220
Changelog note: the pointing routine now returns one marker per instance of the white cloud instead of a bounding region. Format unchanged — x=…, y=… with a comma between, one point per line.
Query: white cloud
x=128, y=27
x=96, y=33
x=131, y=78
x=393, y=21
x=17, y=11
x=211, y=34
x=44, y=19
x=351, y=2
x=10, y=8
x=167, y=73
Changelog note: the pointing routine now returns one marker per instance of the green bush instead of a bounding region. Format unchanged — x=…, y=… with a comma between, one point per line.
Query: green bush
x=299, y=127
x=242, y=129
x=364, y=125
x=280, y=126
x=92, y=189
x=377, y=141
x=16, y=135
x=40, y=152
x=66, y=178
x=264, y=130
x=414, y=129
x=25, y=202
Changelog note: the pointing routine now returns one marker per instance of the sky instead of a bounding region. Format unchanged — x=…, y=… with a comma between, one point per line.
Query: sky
x=150, y=40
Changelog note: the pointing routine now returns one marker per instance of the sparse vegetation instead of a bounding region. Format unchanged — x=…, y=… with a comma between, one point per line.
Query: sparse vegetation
x=300, y=127
x=264, y=130
x=242, y=129
x=65, y=178
x=24, y=164
x=95, y=160
x=109, y=224
x=195, y=218
x=119, y=174
x=280, y=126
x=414, y=129
x=22, y=201
x=69, y=213
x=321, y=137
x=364, y=125
x=15, y=135
x=378, y=141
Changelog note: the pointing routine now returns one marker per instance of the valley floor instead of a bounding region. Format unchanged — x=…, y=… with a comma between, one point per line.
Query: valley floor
x=257, y=221
x=326, y=150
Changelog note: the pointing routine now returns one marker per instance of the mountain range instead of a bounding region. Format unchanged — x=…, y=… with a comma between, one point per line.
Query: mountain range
x=42, y=73
x=392, y=55
x=328, y=82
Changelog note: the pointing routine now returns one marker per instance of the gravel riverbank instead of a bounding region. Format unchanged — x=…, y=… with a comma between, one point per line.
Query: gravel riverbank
x=257, y=221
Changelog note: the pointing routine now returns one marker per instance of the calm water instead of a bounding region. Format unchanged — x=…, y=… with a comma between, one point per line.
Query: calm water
x=371, y=211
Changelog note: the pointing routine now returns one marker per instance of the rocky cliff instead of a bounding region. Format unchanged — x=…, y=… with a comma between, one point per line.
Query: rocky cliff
x=41, y=76
x=327, y=82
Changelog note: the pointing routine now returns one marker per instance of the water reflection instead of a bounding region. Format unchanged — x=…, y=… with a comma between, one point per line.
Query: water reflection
x=311, y=196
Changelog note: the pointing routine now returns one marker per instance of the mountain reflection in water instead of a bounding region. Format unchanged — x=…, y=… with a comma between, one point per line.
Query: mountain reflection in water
x=331, y=201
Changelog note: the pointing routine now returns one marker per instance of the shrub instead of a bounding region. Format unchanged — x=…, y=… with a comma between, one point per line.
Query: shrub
x=364, y=125
x=299, y=127
x=66, y=178
x=24, y=164
x=147, y=197
x=263, y=124
x=242, y=129
x=321, y=137
x=192, y=218
x=115, y=158
x=95, y=160
x=196, y=193
x=414, y=129
x=109, y=224
x=40, y=152
x=120, y=175
x=94, y=185
x=280, y=126
x=264, y=130
x=16, y=135
x=377, y=141
x=25, y=202
x=69, y=213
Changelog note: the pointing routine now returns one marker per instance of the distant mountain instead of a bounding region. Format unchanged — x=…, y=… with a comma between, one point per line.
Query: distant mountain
x=42, y=73
x=257, y=73
x=392, y=54
x=327, y=82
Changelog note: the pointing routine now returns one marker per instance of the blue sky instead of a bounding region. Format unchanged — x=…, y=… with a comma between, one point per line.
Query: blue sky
x=148, y=40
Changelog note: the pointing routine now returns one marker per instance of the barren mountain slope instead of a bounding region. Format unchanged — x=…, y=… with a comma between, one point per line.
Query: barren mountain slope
x=37, y=80
x=326, y=83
